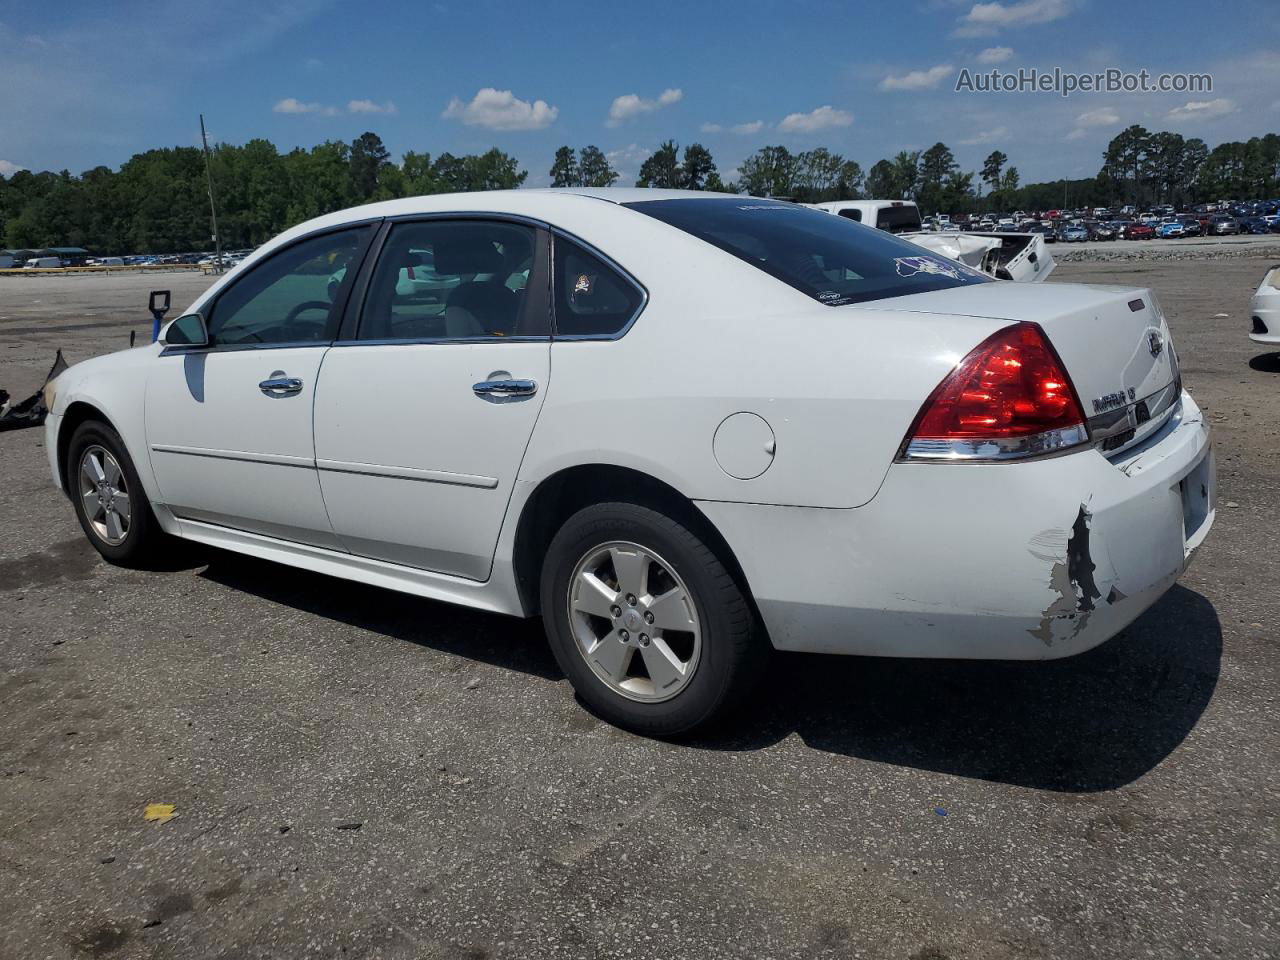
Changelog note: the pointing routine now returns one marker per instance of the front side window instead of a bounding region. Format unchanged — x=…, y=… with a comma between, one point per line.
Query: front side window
x=592, y=299
x=453, y=280
x=824, y=257
x=291, y=297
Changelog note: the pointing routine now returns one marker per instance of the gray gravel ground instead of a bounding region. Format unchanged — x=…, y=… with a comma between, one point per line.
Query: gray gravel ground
x=359, y=774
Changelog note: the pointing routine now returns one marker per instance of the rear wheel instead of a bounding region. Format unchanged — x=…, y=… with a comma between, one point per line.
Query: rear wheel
x=650, y=627
x=109, y=501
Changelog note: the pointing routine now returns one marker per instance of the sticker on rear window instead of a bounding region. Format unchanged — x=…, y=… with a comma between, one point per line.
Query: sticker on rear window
x=910, y=266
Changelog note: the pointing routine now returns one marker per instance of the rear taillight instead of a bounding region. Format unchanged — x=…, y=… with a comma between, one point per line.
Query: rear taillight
x=1010, y=398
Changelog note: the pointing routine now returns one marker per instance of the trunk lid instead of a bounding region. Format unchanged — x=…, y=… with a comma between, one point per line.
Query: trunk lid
x=1113, y=341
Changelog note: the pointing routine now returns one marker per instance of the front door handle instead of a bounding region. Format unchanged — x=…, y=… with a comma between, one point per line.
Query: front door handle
x=280, y=385
x=498, y=389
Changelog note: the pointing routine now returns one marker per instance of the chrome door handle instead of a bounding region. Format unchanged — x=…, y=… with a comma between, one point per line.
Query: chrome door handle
x=278, y=385
x=505, y=388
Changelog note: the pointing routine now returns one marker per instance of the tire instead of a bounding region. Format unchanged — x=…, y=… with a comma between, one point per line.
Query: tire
x=706, y=649
x=135, y=543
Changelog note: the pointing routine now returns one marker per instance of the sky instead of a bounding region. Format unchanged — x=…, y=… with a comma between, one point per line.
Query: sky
x=93, y=83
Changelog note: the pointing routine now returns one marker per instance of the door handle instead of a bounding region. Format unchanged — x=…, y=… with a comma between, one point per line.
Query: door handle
x=498, y=389
x=279, y=385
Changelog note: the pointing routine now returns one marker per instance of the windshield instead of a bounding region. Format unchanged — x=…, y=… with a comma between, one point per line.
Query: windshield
x=831, y=259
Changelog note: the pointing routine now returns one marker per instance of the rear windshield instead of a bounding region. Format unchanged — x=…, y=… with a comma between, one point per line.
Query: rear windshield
x=831, y=259
x=898, y=219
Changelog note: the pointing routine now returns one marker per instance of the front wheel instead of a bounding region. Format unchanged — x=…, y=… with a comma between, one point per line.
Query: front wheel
x=109, y=500
x=649, y=625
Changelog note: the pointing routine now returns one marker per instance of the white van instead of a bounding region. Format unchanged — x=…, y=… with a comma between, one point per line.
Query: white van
x=41, y=263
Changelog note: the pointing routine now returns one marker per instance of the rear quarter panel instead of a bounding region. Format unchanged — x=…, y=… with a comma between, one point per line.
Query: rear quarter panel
x=838, y=386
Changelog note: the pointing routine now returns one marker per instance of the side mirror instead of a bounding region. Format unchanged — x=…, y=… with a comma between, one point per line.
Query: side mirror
x=186, y=331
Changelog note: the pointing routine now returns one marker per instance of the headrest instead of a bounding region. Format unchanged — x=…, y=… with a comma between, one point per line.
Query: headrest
x=463, y=253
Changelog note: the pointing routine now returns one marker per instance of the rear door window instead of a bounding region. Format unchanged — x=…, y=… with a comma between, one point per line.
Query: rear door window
x=592, y=299
x=824, y=257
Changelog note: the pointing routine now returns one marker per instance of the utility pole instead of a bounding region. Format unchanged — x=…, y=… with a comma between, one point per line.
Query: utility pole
x=213, y=207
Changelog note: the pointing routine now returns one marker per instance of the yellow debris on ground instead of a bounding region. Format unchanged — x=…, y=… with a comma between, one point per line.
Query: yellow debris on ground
x=159, y=812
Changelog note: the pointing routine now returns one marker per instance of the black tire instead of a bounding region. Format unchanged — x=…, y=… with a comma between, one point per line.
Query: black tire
x=144, y=542
x=733, y=648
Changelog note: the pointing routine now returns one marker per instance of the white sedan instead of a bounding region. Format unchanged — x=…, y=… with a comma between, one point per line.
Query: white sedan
x=1264, y=309
x=683, y=428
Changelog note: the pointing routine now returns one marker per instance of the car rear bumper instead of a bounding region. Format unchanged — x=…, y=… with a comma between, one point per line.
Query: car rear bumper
x=1017, y=561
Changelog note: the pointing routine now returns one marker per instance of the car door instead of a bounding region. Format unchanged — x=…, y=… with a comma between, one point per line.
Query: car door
x=229, y=425
x=423, y=416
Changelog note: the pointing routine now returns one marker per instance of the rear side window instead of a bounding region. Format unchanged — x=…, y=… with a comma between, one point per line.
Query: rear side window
x=824, y=257
x=852, y=214
x=592, y=299
x=898, y=219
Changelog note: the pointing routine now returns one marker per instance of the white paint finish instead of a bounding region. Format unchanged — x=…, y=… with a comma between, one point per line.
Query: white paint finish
x=938, y=560
x=744, y=446
x=223, y=450
x=1102, y=342
x=437, y=462
x=497, y=597
x=1265, y=305
x=956, y=560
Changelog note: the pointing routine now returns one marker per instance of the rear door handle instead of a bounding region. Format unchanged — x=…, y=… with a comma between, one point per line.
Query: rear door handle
x=498, y=389
x=279, y=385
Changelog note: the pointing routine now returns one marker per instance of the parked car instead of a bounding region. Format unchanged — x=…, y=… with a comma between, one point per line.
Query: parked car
x=1220, y=225
x=1169, y=229
x=1254, y=225
x=653, y=501
x=1073, y=233
x=1264, y=309
x=42, y=263
x=1190, y=226
x=1101, y=231
x=1139, y=231
x=1045, y=230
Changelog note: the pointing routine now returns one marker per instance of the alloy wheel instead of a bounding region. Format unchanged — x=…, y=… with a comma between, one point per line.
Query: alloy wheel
x=104, y=494
x=634, y=621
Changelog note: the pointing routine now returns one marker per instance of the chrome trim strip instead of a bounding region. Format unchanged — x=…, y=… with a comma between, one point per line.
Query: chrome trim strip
x=274, y=459
x=940, y=450
x=408, y=473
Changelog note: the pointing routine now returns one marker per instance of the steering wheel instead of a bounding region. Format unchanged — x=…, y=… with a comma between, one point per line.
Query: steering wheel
x=304, y=307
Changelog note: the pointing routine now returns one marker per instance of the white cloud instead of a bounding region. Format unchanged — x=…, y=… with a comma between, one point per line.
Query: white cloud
x=1102, y=117
x=984, y=19
x=995, y=55
x=368, y=106
x=741, y=129
x=501, y=110
x=986, y=136
x=631, y=105
x=8, y=169
x=823, y=118
x=1203, y=109
x=917, y=79
x=293, y=105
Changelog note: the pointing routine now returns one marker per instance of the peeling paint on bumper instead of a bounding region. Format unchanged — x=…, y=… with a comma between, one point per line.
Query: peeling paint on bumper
x=1018, y=561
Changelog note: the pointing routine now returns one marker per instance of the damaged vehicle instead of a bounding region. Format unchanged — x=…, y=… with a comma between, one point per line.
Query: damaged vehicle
x=1264, y=309
x=1004, y=252
x=682, y=428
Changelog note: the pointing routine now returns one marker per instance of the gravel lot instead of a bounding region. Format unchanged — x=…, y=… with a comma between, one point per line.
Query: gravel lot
x=358, y=773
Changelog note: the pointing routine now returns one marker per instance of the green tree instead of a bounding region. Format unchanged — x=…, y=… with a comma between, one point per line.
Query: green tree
x=991, y=169
x=698, y=168
x=662, y=168
x=769, y=172
x=368, y=158
x=594, y=168
x=564, y=169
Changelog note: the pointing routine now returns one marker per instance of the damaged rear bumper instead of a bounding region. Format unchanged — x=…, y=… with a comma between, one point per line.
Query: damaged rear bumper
x=1017, y=561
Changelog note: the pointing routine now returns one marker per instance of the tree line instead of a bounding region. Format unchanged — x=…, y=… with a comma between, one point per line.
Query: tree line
x=157, y=202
